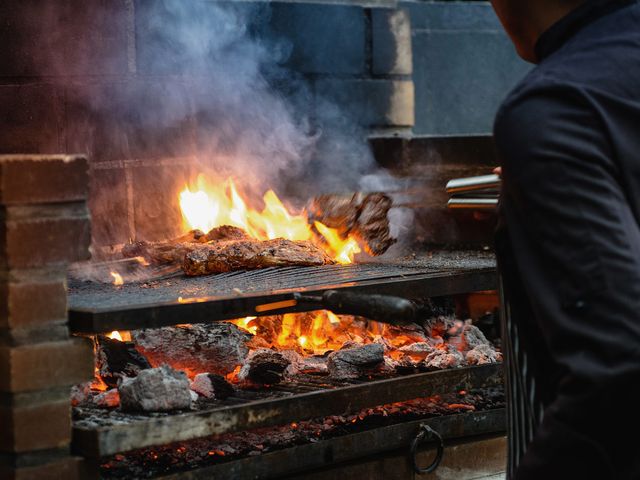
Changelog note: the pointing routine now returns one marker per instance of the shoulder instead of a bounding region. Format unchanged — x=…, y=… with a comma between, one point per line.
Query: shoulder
x=542, y=110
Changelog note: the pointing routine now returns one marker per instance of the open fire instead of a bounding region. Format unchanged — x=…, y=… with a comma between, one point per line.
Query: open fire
x=266, y=350
x=206, y=206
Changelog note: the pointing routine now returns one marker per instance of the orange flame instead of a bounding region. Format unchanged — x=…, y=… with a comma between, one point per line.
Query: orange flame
x=208, y=206
x=117, y=278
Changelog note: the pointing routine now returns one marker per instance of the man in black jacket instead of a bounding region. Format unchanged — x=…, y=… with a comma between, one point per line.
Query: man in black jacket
x=568, y=243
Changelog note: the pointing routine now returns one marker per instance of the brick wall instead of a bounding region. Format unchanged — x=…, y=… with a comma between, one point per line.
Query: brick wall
x=44, y=224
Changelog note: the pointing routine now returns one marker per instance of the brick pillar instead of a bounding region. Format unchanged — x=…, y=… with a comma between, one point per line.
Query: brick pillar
x=44, y=225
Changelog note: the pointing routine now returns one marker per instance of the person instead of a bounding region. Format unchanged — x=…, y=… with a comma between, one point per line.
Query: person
x=568, y=239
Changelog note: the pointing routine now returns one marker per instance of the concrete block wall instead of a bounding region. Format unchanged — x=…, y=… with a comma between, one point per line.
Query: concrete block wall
x=463, y=66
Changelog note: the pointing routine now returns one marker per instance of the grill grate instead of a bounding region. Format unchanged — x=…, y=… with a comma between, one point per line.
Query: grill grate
x=96, y=307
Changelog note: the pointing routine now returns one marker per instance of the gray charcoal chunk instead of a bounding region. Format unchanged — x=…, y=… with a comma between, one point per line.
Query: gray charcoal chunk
x=355, y=362
x=155, y=390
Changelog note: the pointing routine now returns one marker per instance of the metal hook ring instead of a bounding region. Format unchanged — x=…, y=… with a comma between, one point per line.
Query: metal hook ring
x=435, y=436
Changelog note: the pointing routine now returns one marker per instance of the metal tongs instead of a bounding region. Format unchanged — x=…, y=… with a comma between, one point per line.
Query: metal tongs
x=475, y=193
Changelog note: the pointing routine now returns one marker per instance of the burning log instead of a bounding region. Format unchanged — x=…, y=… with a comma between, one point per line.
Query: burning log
x=228, y=256
x=210, y=385
x=215, y=348
x=116, y=359
x=264, y=366
x=155, y=390
x=365, y=216
x=355, y=362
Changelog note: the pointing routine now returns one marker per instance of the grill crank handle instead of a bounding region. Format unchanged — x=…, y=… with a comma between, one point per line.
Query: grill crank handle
x=381, y=308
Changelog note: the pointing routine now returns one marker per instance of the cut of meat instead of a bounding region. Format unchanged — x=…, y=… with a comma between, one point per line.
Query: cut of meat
x=365, y=216
x=228, y=256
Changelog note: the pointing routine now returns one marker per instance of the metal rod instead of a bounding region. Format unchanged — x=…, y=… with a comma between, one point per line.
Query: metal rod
x=473, y=203
x=468, y=184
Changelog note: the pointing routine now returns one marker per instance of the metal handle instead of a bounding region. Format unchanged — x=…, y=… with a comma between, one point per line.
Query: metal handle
x=382, y=308
x=425, y=432
x=469, y=184
x=473, y=203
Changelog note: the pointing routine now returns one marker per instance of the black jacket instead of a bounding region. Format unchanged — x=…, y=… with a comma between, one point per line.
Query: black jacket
x=569, y=248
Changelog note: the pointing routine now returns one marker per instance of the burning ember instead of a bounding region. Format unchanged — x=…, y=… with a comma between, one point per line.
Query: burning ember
x=213, y=360
x=208, y=206
x=117, y=278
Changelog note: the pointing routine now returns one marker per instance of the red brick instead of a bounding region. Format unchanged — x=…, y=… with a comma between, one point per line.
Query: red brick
x=45, y=365
x=61, y=235
x=66, y=468
x=35, y=427
x=36, y=179
x=30, y=117
x=24, y=305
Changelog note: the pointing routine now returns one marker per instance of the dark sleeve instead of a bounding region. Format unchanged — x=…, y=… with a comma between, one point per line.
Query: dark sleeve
x=577, y=246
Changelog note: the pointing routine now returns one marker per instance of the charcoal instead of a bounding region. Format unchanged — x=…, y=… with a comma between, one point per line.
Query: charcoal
x=116, y=359
x=80, y=394
x=264, y=366
x=483, y=354
x=155, y=390
x=418, y=350
x=228, y=256
x=217, y=347
x=474, y=336
x=440, y=359
x=355, y=362
x=107, y=399
x=210, y=385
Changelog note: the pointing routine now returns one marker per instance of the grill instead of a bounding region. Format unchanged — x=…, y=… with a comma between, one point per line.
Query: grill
x=98, y=308
x=445, y=269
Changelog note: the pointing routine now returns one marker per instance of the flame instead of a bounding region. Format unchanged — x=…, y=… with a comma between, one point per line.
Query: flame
x=246, y=325
x=115, y=335
x=207, y=206
x=120, y=336
x=117, y=278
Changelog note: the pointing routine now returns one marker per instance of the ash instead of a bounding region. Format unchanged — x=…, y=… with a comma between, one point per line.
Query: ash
x=150, y=462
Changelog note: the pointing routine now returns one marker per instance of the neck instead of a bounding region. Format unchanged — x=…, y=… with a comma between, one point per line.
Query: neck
x=541, y=15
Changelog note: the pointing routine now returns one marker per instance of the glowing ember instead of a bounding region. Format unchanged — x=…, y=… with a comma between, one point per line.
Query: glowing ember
x=117, y=278
x=208, y=206
x=120, y=336
x=115, y=335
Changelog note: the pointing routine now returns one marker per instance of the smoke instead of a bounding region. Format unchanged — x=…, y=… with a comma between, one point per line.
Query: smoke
x=216, y=69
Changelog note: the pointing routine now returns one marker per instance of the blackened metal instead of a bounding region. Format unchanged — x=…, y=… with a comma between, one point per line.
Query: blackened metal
x=144, y=430
x=426, y=433
x=306, y=458
x=383, y=308
x=97, y=308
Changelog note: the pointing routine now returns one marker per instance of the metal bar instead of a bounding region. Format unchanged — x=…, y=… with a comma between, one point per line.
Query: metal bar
x=130, y=315
x=305, y=458
x=139, y=433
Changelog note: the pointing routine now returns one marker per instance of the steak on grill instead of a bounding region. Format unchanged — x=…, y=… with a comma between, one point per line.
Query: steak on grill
x=226, y=256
